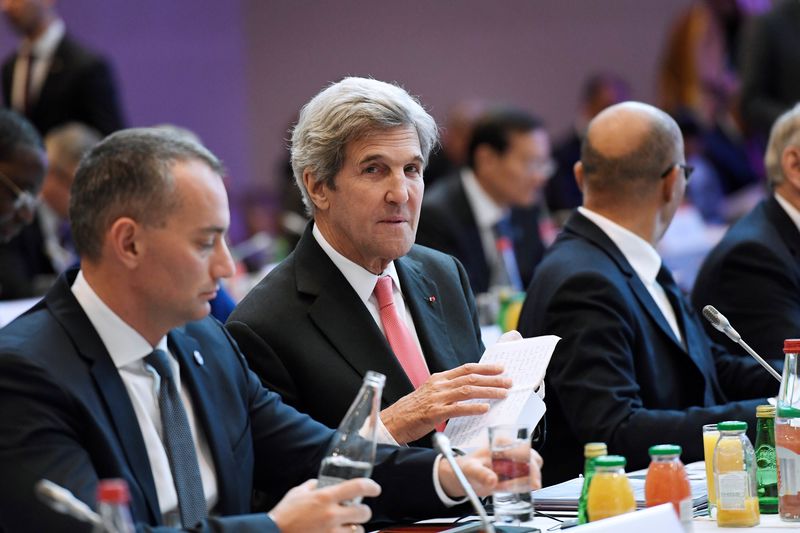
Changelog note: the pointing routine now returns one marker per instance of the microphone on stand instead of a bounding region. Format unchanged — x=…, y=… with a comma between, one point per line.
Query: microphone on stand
x=442, y=444
x=721, y=323
x=63, y=501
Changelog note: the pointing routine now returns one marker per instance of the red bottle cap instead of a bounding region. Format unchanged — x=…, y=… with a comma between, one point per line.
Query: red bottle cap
x=791, y=346
x=113, y=491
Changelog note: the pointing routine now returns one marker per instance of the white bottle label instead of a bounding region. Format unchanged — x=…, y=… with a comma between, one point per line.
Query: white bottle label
x=789, y=465
x=732, y=489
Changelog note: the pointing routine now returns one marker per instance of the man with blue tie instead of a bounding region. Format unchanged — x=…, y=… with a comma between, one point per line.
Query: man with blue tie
x=119, y=373
x=634, y=367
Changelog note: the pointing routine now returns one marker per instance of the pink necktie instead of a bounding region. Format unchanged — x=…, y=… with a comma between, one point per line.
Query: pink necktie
x=400, y=339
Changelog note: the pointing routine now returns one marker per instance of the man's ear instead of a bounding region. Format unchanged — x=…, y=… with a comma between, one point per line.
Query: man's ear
x=668, y=184
x=317, y=191
x=790, y=165
x=124, y=241
x=484, y=158
x=578, y=170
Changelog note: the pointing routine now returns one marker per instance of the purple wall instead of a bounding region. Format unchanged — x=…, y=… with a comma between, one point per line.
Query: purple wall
x=237, y=72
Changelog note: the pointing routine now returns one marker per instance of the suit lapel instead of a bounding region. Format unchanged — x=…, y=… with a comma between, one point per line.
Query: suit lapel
x=109, y=384
x=785, y=226
x=427, y=311
x=343, y=319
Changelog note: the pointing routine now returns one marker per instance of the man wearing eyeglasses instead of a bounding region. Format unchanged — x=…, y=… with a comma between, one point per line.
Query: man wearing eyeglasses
x=634, y=367
x=22, y=166
x=487, y=214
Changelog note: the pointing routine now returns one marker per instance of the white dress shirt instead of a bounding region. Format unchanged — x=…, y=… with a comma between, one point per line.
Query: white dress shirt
x=643, y=258
x=791, y=210
x=43, y=50
x=487, y=214
x=363, y=282
x=128, y=349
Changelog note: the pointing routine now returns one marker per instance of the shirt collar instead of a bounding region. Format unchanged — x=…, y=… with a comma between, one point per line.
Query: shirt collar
x=791, y=210
x=45, y=46
x=640, y=254
x=362, y=280
x=124, y=344
x=486, y=211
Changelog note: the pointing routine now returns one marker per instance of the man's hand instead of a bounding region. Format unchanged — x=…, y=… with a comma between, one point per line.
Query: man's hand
x=477, y=467
x=442, y=397
x=306, y=509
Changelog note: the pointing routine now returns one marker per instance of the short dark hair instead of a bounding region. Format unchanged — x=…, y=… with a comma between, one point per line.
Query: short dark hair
x=647, y=161
x=495, y=127
x=128, y=174
x=16, y=132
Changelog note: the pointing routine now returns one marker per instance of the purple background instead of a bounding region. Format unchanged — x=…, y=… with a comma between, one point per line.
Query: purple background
x=237, y=71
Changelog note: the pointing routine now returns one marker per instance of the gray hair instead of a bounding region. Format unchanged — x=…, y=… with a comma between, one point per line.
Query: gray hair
x=129, y=174
x=346, y=111
x=67, y=144
x=785, y=133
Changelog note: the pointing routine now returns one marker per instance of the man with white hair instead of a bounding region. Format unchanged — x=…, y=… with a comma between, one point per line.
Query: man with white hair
x=357, y=294
x=753, y=275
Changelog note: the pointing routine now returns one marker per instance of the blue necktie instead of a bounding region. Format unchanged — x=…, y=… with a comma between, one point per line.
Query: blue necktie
x=504, y=240
x=179, y=444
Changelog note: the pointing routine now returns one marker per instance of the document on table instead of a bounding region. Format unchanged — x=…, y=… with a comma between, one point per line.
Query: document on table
x=525, y=362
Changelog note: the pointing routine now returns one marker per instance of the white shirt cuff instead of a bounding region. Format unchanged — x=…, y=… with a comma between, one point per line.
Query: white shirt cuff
x=382, y=434
x=446, y=500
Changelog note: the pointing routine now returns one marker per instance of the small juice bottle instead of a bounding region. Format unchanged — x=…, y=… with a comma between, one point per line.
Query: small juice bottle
x=610, y=492
x=710, y=438
x=667, y=482
x=735, y=477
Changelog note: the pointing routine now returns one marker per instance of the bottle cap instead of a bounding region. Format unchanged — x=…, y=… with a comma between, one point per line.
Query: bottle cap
x=791, y=346
x=595, y=449
x=665, y=449
x=787, y=411
x=765, y=411
x=113, y=491
x=732, y=425
x=375, y=378
x=610, y=460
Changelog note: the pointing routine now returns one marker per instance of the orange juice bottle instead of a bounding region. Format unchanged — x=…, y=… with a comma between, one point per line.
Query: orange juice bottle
x=735, y=477
x=610, y=492
x=710, y=438
x=667, y=482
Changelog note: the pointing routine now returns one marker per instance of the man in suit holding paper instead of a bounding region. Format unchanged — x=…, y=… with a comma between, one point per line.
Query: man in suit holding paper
x=119, y=373
x=634, y=367
x=357, y=294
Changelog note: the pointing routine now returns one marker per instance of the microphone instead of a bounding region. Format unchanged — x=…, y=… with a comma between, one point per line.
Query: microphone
x=442, y=445
x=63, y=501
x=721, y=323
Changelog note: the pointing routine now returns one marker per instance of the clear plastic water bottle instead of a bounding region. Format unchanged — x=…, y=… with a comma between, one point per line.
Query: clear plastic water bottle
x=352, y=451
x=113, y=506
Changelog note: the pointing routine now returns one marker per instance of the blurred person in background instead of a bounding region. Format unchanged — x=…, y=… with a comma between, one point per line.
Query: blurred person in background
x=599, y=91
x=22, y=168
x=52, y=79
x=487, y=214
x=456, y=133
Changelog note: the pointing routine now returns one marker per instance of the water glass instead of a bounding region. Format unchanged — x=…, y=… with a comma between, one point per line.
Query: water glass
x=510, y=447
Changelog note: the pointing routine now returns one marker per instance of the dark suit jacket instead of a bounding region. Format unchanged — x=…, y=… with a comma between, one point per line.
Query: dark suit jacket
x=65, y=415
x=309, y=337
x=619, y=374
x=79, y=87
x=753, y=277
x=447, y=224
x=22, y=260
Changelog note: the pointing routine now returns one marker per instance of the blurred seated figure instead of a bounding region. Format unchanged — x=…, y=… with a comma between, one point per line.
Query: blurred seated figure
x=634, y=366
x=598, y=92
x=487, y=214
x=22, y=168
x=456, y=133
x=753, y=275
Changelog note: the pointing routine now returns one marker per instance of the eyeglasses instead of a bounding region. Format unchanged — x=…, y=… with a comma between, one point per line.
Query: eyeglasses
x=23, y=200
x=687, y=170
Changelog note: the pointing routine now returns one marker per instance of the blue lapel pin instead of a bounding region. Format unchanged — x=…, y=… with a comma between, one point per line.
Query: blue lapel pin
x=198, y=358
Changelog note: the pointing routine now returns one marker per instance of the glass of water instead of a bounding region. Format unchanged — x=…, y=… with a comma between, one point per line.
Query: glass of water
x=510, y=447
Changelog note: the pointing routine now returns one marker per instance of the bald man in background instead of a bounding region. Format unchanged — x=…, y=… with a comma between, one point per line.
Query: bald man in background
x=634, y=367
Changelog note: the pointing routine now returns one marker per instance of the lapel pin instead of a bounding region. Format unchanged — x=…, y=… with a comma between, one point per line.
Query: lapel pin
x=431, y=299
x=198, y=358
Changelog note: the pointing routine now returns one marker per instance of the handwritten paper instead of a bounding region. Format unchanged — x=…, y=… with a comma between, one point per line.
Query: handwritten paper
x=525, y=362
